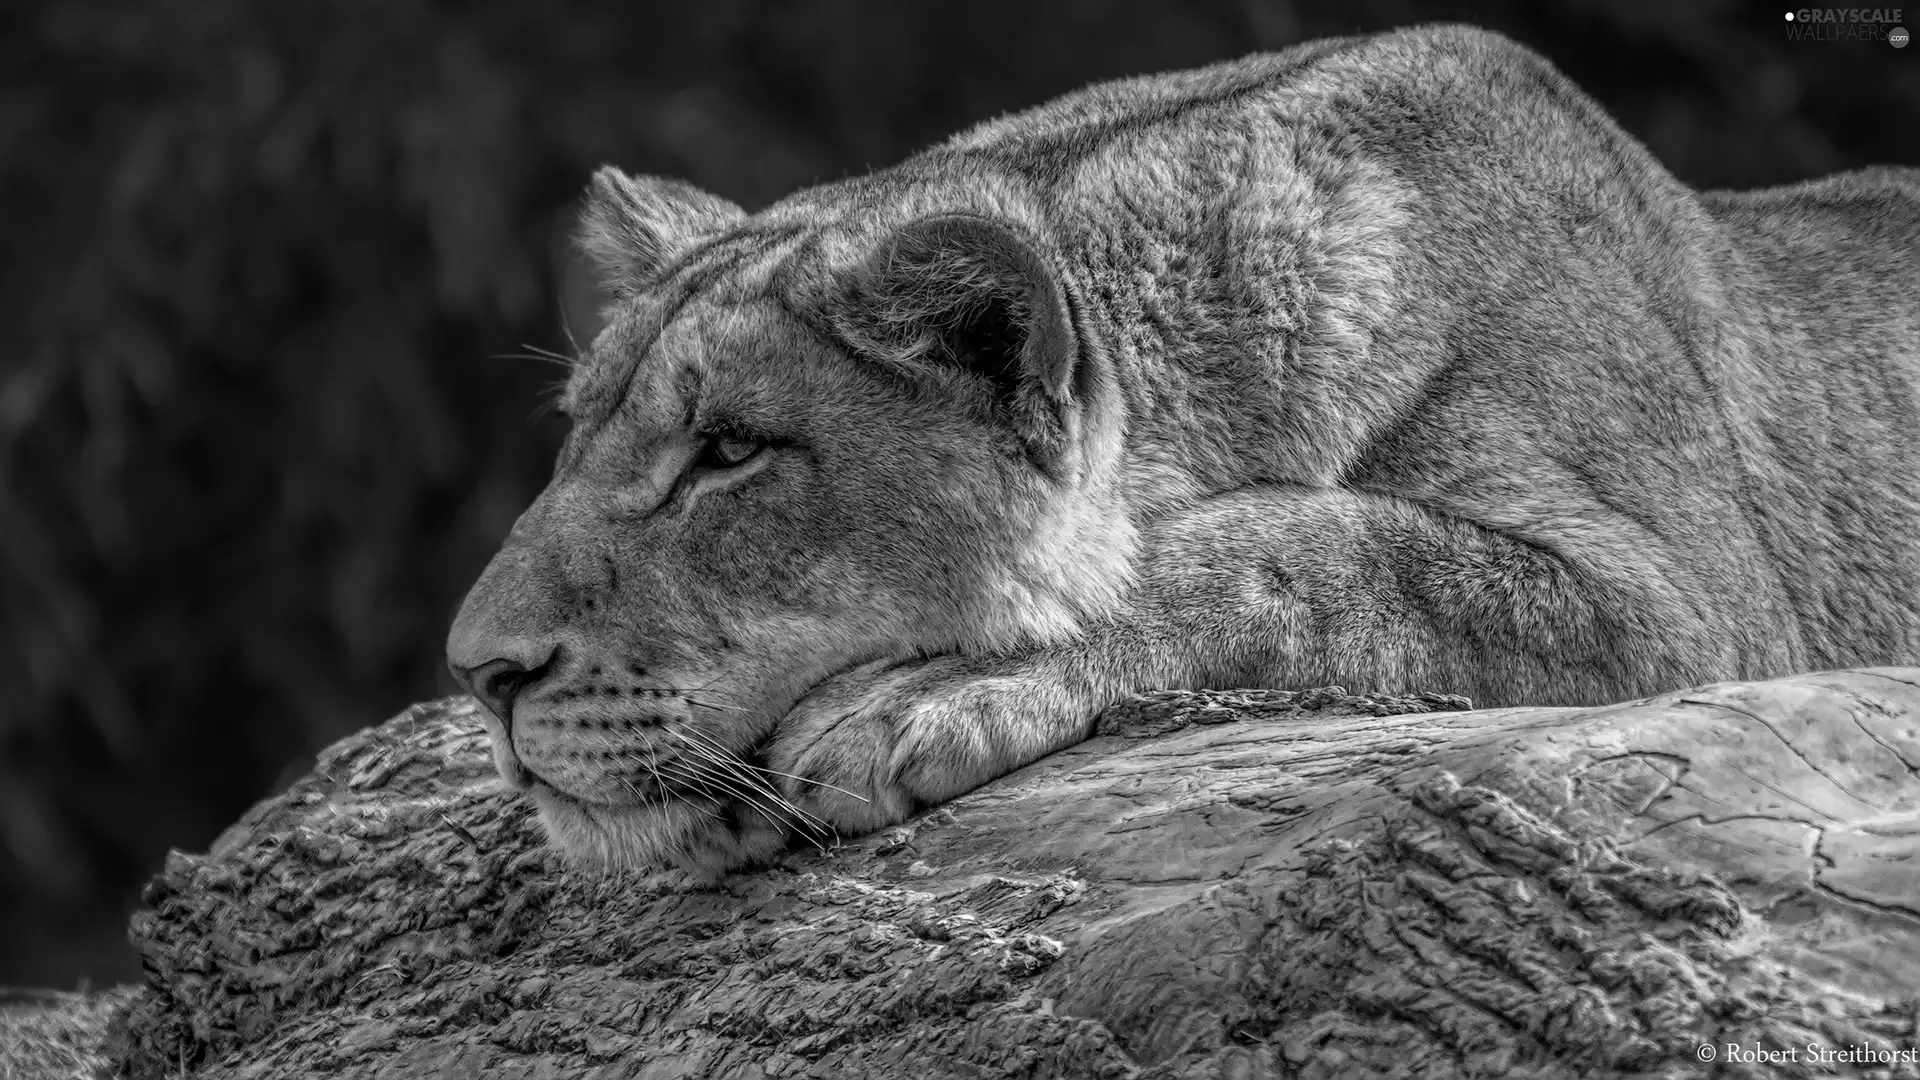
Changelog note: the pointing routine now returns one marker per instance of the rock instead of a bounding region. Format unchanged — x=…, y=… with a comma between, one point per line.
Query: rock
x=1245, y=884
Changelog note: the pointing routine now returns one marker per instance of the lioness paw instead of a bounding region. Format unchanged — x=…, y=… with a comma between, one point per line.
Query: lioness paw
x=868, y=748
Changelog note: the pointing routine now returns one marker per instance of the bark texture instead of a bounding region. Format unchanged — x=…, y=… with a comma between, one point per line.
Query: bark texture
x=1248, y=884
x=55, y=1034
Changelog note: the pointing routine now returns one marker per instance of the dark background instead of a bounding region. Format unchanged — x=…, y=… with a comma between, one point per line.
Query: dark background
x=265, y=270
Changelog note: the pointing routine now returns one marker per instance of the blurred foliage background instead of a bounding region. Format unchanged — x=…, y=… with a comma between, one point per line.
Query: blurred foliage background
x=268, y=270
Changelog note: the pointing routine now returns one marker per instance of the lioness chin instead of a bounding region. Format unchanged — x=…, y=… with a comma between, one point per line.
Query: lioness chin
x=1386, y=362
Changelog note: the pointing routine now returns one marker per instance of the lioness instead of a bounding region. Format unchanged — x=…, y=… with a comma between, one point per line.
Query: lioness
x=1388, y=362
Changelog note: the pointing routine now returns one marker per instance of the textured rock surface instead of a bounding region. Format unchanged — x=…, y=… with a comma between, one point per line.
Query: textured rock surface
x=1217, y=885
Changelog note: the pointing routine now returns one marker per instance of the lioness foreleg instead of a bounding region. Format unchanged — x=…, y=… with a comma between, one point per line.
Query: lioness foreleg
x=1272, y=586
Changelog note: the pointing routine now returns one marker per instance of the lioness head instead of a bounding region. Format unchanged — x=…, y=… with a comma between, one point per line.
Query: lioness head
x=865, y=425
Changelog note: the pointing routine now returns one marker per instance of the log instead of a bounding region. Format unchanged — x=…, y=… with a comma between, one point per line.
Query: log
x=1217, y=884
x=57, y=1034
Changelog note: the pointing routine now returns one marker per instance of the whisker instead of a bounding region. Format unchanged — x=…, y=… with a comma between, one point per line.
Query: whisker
x=544, y=356
x=735, y=769
x=805, y=780
x=702, y=688
x=703, y=705
x=708, y=741
x=661, y=783
x=539, y=350
x=687, y=695
x=550, y=398
x=775, y=809
x=659, y=800
x=711, y=782
x=742, y=763
x=748, y=783
x=644, y=801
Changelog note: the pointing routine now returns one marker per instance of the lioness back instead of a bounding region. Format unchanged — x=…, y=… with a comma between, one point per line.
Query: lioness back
x=1389, y=362
x=1834, y=270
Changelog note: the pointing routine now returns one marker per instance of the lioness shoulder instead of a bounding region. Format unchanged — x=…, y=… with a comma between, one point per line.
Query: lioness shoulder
x=1389, y=362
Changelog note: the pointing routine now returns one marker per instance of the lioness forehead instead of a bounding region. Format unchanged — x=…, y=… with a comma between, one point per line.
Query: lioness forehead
x=654, y=365
x=733, y=358
x=655, y=341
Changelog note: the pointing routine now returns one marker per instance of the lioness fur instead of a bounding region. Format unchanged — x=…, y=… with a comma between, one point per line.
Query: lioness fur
x=1388, y=362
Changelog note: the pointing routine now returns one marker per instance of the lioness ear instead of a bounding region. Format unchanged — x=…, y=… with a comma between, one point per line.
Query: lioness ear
x=981, y=294
x=633, y=225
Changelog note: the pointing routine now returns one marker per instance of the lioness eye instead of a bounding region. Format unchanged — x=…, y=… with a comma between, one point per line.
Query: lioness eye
x=726, y=452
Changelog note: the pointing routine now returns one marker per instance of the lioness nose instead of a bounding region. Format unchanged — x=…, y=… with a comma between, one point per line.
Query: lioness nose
x=496, y=683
